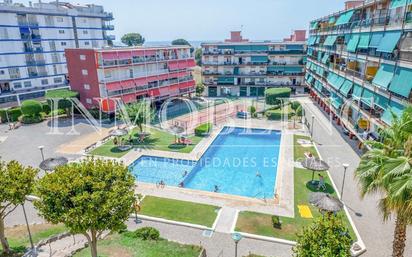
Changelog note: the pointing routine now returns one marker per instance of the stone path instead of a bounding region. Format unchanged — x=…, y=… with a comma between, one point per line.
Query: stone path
x=63, y=247
x=225, y=220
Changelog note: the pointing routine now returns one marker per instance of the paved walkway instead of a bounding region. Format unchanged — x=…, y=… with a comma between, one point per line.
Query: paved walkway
x=336, y=148
x=225, y=220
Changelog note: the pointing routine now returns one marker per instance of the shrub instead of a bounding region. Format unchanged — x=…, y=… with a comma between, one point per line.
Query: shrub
x=3, y=115
x=26, y=119
x=274, y=95
x=14, y=113
x=145, y=233
x=252, y=109
x=295, y=105
x=31, y=108
x=46, y=108
x=57, y=112
x=63, y=95
x=276, y=222
x=203, y=129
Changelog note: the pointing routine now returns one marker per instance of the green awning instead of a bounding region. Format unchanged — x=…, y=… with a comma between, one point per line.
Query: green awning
x=384, y=75
x=389, y=41
x=331, y=77
x=293, y=69
x=275, y=68
x=353, y=43
x=259, y=59
x=317, y=40
x=226, y=80
x=364, y=41
x=332, y=20
x=402, y=82
x=344, y=18
x=336, y=101
x=325, y=58
x=381, y=101
x=311, y=40
x=336, y=81
x=330, y=40
x=313, y=25
x=367, y=97
x=346, y=87
x=394, y=107
x=357, y=91
x=376, y=39
x=310, y=79
x=319, y=56
x=397, y=3
x=310, y=51
x=320, y=71
x=318, y=86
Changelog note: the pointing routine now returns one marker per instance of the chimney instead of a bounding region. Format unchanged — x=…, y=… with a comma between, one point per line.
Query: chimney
x=298, y=35
x=236, y=36
x=352, y=4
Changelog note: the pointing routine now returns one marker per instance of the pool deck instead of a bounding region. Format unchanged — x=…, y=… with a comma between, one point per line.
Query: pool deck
x=281, y=205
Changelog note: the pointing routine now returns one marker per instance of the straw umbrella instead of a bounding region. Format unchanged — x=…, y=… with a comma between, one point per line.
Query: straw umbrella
x=52, y=163
x=325, y=202
x=314, y=164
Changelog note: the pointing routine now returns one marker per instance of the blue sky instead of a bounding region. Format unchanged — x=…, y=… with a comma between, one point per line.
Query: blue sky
x=213, y=19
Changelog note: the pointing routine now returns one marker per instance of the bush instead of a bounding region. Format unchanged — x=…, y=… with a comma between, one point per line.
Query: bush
x=252, y=109
x=295, y=105
x=3, y=116
x=146, y=233
x=46, y=108
x=203, y=129
x=274, y=95
x=14, y=113
x=57, y=112
x=63, y=95
x=276, y=222
x=26, y=119
x=31, y=108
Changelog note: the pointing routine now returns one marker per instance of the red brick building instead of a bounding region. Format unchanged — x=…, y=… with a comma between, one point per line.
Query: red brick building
x=130, y=74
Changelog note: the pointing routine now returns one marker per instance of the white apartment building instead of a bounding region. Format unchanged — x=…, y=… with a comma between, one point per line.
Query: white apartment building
x=32, y=43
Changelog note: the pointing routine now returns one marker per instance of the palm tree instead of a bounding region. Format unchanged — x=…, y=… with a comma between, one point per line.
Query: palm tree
x=386, y=169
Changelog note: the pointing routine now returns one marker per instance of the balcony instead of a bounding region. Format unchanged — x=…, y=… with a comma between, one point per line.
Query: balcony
x=110, y=37
x=108, y=27
x=28, y=49
x=28, y=24
x=109, y=16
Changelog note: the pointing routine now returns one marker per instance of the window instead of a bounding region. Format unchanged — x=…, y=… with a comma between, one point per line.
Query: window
x=61, y=31
x=14, y=73
x=27, y=84
x=86, y=43
x=85, y=32
x=88, y=100
x=58, y=80
x=60, y=19
x=2, y=72
x=44, y=82
x=87, y=86
x=85, y=72
x=83, y=57
x=17, y=85
x=63, y=43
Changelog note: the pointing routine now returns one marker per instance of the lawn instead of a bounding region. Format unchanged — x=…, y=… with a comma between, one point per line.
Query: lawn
x=19, y=240
x=182, y=211
x=261, y=224
x=158, y=140
x=121, y=245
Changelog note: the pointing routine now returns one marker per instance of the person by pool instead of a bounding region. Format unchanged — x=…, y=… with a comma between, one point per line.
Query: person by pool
x=216, y=189
x=258, y=174
x=185, y=173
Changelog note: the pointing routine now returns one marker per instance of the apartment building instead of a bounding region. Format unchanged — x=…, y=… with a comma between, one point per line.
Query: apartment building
x=240, y=67
x=359, y=64
x=32, y=43
x=130, y=74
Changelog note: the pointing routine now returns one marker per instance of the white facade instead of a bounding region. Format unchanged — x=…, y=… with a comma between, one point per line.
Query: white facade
x=32, y=43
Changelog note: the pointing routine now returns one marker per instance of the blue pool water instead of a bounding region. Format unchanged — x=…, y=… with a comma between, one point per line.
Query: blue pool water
x=238, y=162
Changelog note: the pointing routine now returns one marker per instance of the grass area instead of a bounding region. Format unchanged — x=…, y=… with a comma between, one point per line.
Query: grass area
x=182, y=211
x=121, y=245
x=158, y=140
x=261, y=224
x=19, y=240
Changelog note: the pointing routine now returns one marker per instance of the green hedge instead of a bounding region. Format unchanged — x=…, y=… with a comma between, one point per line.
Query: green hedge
x=13, y=113
x=203, y=129
x=31, y=108
x=26, y=119
x=276, y=114
x=273, y=95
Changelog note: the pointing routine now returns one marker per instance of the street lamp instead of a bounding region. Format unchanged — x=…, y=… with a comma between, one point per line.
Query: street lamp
x=41, y=151
x=30, y=198
x=311, y=128
x=236, y=238
x=345, y=167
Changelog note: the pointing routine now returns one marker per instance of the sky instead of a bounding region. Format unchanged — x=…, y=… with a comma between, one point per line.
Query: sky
x=161, y=20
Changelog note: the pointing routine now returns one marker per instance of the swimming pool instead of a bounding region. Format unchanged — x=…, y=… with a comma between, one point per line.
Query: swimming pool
x=239, y=162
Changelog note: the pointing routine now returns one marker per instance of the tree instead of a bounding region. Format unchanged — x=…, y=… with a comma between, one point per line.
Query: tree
x=89, y=198
x=140, y=113
x=133, y=39
x=386, y=169
x=180, y=42
x=200, y=88
x=327, y=236
x=274, y=95
x=31, y=108
x=198, y=56
x=295, y=105
x=16, y=181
